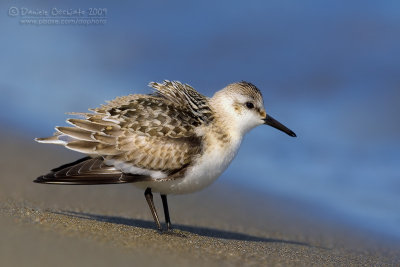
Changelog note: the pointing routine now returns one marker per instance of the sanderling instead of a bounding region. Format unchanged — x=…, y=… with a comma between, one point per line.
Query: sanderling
x=173, y=141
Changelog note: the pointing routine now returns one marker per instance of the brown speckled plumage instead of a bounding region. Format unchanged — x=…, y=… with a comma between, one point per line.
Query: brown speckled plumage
x=154, y=132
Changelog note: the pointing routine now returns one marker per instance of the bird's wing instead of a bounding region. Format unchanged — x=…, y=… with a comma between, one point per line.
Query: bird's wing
x=185, y=96
x=137, y=134
x=88, y=171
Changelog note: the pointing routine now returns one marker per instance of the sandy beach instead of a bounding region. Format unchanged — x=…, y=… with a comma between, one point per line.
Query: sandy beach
x=47, y=225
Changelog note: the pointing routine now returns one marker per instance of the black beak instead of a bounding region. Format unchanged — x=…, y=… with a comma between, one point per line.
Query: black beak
x=277, y=125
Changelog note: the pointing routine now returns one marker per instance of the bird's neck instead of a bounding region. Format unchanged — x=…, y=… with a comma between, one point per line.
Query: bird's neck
x=223, y=134
x=224, y=119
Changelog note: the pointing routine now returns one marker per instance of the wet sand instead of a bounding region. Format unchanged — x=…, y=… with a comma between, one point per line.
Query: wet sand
x=47, y=225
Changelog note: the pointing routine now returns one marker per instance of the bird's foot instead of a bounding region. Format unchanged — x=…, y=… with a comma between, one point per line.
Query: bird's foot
x=174, y=232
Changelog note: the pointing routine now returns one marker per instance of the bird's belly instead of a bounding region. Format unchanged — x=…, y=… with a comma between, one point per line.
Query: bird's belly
x=206, y=170
x=185, y=185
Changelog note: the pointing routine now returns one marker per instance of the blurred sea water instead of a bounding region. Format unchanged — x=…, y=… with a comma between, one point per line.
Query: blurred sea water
x=329, y=71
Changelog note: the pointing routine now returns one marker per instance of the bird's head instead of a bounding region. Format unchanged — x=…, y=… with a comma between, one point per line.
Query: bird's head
x=242, y=106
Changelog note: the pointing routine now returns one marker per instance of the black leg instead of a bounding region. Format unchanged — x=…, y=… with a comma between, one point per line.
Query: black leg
x=149, y=198
x=166, y=212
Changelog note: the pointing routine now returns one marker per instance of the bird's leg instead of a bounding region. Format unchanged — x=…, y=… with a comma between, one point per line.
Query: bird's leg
x=166, y=212
x=149, y=198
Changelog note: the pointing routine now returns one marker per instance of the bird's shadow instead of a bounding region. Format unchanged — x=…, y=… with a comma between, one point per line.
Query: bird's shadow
x=201, y=231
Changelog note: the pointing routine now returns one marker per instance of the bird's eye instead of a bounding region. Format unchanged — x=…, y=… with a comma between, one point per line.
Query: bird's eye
x=249, y=105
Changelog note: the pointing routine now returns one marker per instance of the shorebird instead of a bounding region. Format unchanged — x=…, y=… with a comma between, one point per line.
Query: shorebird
x=173, y=141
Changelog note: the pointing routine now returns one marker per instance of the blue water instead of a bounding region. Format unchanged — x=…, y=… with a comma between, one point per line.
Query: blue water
x=329, y=71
